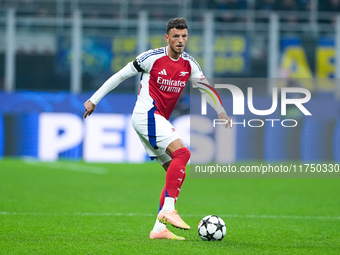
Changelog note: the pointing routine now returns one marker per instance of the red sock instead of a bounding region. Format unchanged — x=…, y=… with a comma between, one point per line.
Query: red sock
x=175, y=173
x=179, y=188
x=162, y=197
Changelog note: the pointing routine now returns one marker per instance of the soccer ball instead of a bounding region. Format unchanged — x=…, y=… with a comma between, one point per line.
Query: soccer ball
x=212, y=228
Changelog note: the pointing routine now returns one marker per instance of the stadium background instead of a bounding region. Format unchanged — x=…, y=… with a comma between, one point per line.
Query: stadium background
x=55, y=54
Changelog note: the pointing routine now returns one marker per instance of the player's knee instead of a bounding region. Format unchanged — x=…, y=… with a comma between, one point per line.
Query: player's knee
x=182, y=153
x=187, y=154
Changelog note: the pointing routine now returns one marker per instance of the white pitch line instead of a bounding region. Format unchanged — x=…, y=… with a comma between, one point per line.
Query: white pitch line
x=68, y=166
x=253, y=216
x=78, y=214
x=263, y=216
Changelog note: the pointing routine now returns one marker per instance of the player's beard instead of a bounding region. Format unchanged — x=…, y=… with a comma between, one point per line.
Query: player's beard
x=180, y=51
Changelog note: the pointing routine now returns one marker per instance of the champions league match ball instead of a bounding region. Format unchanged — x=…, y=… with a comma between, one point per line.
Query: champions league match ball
x=212, y=228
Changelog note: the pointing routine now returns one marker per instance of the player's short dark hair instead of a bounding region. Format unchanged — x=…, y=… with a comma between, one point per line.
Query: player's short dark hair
x=178, y=23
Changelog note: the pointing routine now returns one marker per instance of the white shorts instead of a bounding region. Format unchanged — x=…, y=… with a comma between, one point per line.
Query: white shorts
x=155, y=133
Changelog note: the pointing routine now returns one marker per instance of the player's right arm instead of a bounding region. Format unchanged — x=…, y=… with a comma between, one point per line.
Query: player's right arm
x=142, y=63
x=126, y=72
x=89, y=108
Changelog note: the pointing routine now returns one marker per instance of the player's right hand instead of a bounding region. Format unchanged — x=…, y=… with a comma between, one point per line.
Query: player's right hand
x=89, y=108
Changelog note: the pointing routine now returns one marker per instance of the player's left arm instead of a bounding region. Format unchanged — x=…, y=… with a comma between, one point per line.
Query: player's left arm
x=199, y=81
x=213, y=99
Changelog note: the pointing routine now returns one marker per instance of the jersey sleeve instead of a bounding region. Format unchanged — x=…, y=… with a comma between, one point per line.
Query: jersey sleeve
x=196, y=71
x=199, y=81
x=128, y=71
x=144, y=62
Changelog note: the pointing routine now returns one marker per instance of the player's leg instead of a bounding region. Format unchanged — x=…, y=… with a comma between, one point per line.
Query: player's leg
x=165, y=135
x=165, y=161
x=174, y=179
x=162, y=197
x=159, y=226
x=178, y=151
x=163, y=142
x=159, y=230
x=180, y=186
x=165, y=166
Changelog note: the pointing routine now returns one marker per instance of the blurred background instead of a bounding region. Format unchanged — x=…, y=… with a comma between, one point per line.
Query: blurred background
x=55, y=53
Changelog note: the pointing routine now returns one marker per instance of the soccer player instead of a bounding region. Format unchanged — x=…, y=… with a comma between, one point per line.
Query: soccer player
x=164, y=73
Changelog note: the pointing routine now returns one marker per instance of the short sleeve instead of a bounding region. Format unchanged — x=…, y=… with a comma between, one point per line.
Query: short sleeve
x=145, y=60
x=196, y=73
x=137, y=64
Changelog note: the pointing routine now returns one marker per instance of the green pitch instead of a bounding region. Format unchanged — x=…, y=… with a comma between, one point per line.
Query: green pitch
x=80, y=208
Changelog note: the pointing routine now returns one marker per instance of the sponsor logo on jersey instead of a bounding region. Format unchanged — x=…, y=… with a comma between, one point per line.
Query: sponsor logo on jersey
x=170, y=82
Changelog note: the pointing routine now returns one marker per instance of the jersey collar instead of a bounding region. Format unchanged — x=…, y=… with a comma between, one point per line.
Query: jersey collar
x=166, y=53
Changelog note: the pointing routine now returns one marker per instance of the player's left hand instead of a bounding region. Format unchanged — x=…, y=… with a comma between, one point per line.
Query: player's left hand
x=224, y=116
x=89, y=108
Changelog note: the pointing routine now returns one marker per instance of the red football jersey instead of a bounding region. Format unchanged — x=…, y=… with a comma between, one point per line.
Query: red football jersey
x=163, y=79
